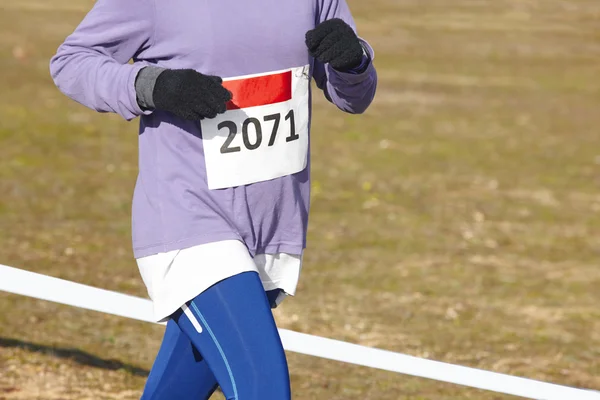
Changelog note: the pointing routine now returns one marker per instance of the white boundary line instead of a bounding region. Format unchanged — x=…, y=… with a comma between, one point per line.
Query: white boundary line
x=44, y=287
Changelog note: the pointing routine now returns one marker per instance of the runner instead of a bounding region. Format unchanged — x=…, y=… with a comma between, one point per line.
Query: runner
x=220, y=208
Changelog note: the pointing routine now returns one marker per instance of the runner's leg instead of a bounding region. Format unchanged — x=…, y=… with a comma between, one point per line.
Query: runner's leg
x=232, y=326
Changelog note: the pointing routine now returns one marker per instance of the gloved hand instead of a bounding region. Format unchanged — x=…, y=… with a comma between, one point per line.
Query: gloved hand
x=335, y=42
x=189, y=94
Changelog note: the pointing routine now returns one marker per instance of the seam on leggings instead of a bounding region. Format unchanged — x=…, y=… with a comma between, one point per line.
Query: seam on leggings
x=214, y=338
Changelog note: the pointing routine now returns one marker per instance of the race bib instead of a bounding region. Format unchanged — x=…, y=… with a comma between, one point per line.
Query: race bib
x=263, y=134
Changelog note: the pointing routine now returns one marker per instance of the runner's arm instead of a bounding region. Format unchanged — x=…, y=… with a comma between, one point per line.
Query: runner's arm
x=91, y=66
x=351, y=91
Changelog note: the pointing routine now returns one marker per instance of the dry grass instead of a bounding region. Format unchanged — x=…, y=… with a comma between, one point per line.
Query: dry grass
x=458, y=220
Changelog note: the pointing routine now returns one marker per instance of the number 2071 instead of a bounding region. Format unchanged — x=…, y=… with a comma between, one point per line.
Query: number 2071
x=275, y=119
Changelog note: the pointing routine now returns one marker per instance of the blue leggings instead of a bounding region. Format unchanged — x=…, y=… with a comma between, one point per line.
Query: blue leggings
x=225, y=337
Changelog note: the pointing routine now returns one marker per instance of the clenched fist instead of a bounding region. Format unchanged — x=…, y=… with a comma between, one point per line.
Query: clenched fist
x=189, y=94
x=336, y=43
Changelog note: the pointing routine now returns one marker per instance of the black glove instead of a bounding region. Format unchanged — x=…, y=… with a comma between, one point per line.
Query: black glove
x=189, y=94
x=335, y=42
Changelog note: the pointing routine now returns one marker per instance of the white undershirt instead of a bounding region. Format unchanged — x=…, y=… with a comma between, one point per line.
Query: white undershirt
x=176, y=277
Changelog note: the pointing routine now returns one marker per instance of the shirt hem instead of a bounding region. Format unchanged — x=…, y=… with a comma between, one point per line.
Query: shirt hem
x=295, y=249
x=139, y=252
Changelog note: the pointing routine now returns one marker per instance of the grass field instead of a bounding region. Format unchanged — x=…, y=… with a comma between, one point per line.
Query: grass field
x=457, y=220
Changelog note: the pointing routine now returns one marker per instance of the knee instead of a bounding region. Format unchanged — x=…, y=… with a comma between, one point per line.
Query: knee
x=266, y=382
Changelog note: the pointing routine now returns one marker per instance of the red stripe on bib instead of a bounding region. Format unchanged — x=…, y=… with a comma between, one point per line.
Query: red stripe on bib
x=260, y=90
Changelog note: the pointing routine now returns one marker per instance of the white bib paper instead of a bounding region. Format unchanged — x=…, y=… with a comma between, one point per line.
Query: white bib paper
x=264, y=133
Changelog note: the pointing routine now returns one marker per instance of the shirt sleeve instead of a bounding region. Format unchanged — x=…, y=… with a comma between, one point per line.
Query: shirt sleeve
x=91, y=66
x=351, y=91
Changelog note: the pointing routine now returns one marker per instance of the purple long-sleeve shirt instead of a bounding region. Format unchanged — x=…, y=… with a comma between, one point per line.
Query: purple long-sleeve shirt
x=173, y=208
